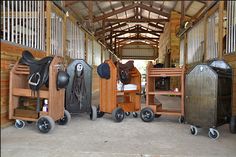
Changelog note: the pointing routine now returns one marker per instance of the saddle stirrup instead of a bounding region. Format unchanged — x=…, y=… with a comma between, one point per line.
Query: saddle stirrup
x=31, y=77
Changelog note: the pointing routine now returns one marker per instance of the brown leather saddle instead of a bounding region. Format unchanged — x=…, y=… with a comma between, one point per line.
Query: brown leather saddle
x=124, y=71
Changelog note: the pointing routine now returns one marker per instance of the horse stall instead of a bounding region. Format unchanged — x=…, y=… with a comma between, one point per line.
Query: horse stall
x=119, y=100
x=79, y=89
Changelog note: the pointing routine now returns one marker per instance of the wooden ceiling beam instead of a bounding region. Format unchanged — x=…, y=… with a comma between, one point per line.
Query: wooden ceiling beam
x=135, y=38
x=156, y=26
x=133, y=20
x=110, y=29
x=102, y=17
x=121, y=33
x=139, y=31
x=147, y=28
x=69, y=3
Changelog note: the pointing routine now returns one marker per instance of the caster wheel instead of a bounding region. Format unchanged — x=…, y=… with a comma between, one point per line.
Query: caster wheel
x=65, y=119
x=127, y=113
x=213, y=133
x=193, y=130
x=135, y=114
x=147, y=114
x=45, y=124
x=118, y=114
x=99, y=113
x=19, y=124
x=181, y=119
x=93, y=113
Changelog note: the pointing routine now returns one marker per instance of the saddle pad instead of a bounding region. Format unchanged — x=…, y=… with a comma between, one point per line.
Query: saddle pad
x=120, y=86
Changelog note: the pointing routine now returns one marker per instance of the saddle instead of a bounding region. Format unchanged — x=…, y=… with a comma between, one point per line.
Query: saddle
x=39, y=70
x=124, y=71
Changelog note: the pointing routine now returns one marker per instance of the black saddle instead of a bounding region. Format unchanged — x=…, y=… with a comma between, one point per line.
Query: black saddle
x=39, y=70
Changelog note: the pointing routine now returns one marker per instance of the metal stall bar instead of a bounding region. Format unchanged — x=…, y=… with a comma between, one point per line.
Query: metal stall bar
x=4, y=21
x=234, y=25
x=8, y=20
x=33, y=24
x=56, y=35
x=20, y=28
x=229, y=28
x=39, y=24
x=27, y=23
x=227, y=33
x=72, y=41
x=51, y=36
x=16, y=21
x=59, y=36
x=23, y=22
x=12, y=22
x=30, y=24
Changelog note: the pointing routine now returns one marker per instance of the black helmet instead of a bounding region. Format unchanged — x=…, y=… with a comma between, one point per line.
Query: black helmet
x=62, y=79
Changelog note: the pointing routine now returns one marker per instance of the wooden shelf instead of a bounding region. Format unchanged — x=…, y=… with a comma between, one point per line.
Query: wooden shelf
x=127, y=91
x=164, y=93
x=29, y=93
x=169, y=112
x=24, y=118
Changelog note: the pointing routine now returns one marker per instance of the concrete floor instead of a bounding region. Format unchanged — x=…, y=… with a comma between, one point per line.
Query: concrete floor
x=164, y=137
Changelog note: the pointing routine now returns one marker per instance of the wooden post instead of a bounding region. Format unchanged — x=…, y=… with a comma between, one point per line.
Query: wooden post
x=185, y=49
x=48, y=26
x=103, y=31
x=182, y=13
x=221, y=16
x=90, y=13
x=64, y=36
x=86, y=47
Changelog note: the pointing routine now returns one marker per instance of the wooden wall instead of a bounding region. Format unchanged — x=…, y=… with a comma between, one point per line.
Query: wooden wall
x=10, y=53
x=164, y=43
x=169, y=40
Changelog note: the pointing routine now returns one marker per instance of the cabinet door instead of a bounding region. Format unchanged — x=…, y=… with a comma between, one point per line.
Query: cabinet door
x=200, y=100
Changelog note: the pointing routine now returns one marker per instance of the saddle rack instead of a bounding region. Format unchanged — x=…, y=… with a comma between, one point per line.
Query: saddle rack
x=119, y=102
x=19, y=88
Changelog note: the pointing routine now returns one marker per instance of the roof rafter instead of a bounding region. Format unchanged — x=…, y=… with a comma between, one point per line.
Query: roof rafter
x=98, y=18
x=142, y=6
x=133, y=20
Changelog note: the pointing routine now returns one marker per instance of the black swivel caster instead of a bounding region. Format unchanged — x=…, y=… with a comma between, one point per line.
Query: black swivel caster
x=147, y=114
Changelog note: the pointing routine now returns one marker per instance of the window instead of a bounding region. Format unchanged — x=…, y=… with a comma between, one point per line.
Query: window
x=231, y=27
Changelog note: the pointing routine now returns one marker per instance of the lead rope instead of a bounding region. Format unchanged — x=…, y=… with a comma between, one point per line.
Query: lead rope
x=78, y=90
